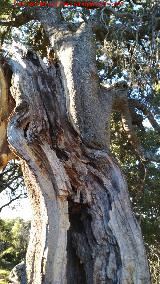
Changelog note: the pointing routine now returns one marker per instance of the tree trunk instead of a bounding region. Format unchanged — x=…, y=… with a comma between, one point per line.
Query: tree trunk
x=83, y=228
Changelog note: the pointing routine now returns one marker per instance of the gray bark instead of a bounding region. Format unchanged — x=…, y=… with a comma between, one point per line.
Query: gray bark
x=18, y=274
x=83, y=229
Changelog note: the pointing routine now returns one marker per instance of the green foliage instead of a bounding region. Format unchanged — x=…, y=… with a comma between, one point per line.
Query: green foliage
x=14, y=236
x=5, y=7
x=136, y=60
x=4, y=273
x=144, y=187
x=143, y=179
x=11, y=183
x=154, y=262
x=11, y=177
x=36, y=38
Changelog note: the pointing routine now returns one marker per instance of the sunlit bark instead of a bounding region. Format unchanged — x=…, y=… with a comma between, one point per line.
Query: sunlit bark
x=83, y=229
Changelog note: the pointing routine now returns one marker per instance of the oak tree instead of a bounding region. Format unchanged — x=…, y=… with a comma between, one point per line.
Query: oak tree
x=56, y=115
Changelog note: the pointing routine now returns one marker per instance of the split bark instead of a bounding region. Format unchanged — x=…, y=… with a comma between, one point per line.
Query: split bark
x=83, y=229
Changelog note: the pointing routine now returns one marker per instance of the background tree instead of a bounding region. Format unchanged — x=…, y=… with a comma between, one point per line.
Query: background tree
x=11, y=184
x=13, y=241
x=132, y=53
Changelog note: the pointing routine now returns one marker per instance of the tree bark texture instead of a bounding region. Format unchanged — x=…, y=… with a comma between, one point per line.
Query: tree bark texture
x=83, y=228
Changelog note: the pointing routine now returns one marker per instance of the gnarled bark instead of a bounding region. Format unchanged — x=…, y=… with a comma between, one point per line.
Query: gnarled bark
x=5, y=108
x=83, y=229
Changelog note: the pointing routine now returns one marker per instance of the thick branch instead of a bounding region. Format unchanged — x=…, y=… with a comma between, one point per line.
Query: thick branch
x=4, y=96
x=128, y=127
x=120, y=103
x=146, y=112
x=78, y=70
x=5, y=153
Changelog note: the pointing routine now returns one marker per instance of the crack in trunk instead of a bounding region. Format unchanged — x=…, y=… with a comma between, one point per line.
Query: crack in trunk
x=75, y=186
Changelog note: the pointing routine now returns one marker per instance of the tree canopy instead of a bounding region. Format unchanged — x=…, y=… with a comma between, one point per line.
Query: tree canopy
x=14, y=238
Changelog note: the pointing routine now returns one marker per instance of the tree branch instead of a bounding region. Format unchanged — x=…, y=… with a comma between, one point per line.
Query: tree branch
x=129, y=32
x=120, y=14
x=128, y=127
x=146, y=112
x=134, y=2
x=8, y=203
x=120, y=103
